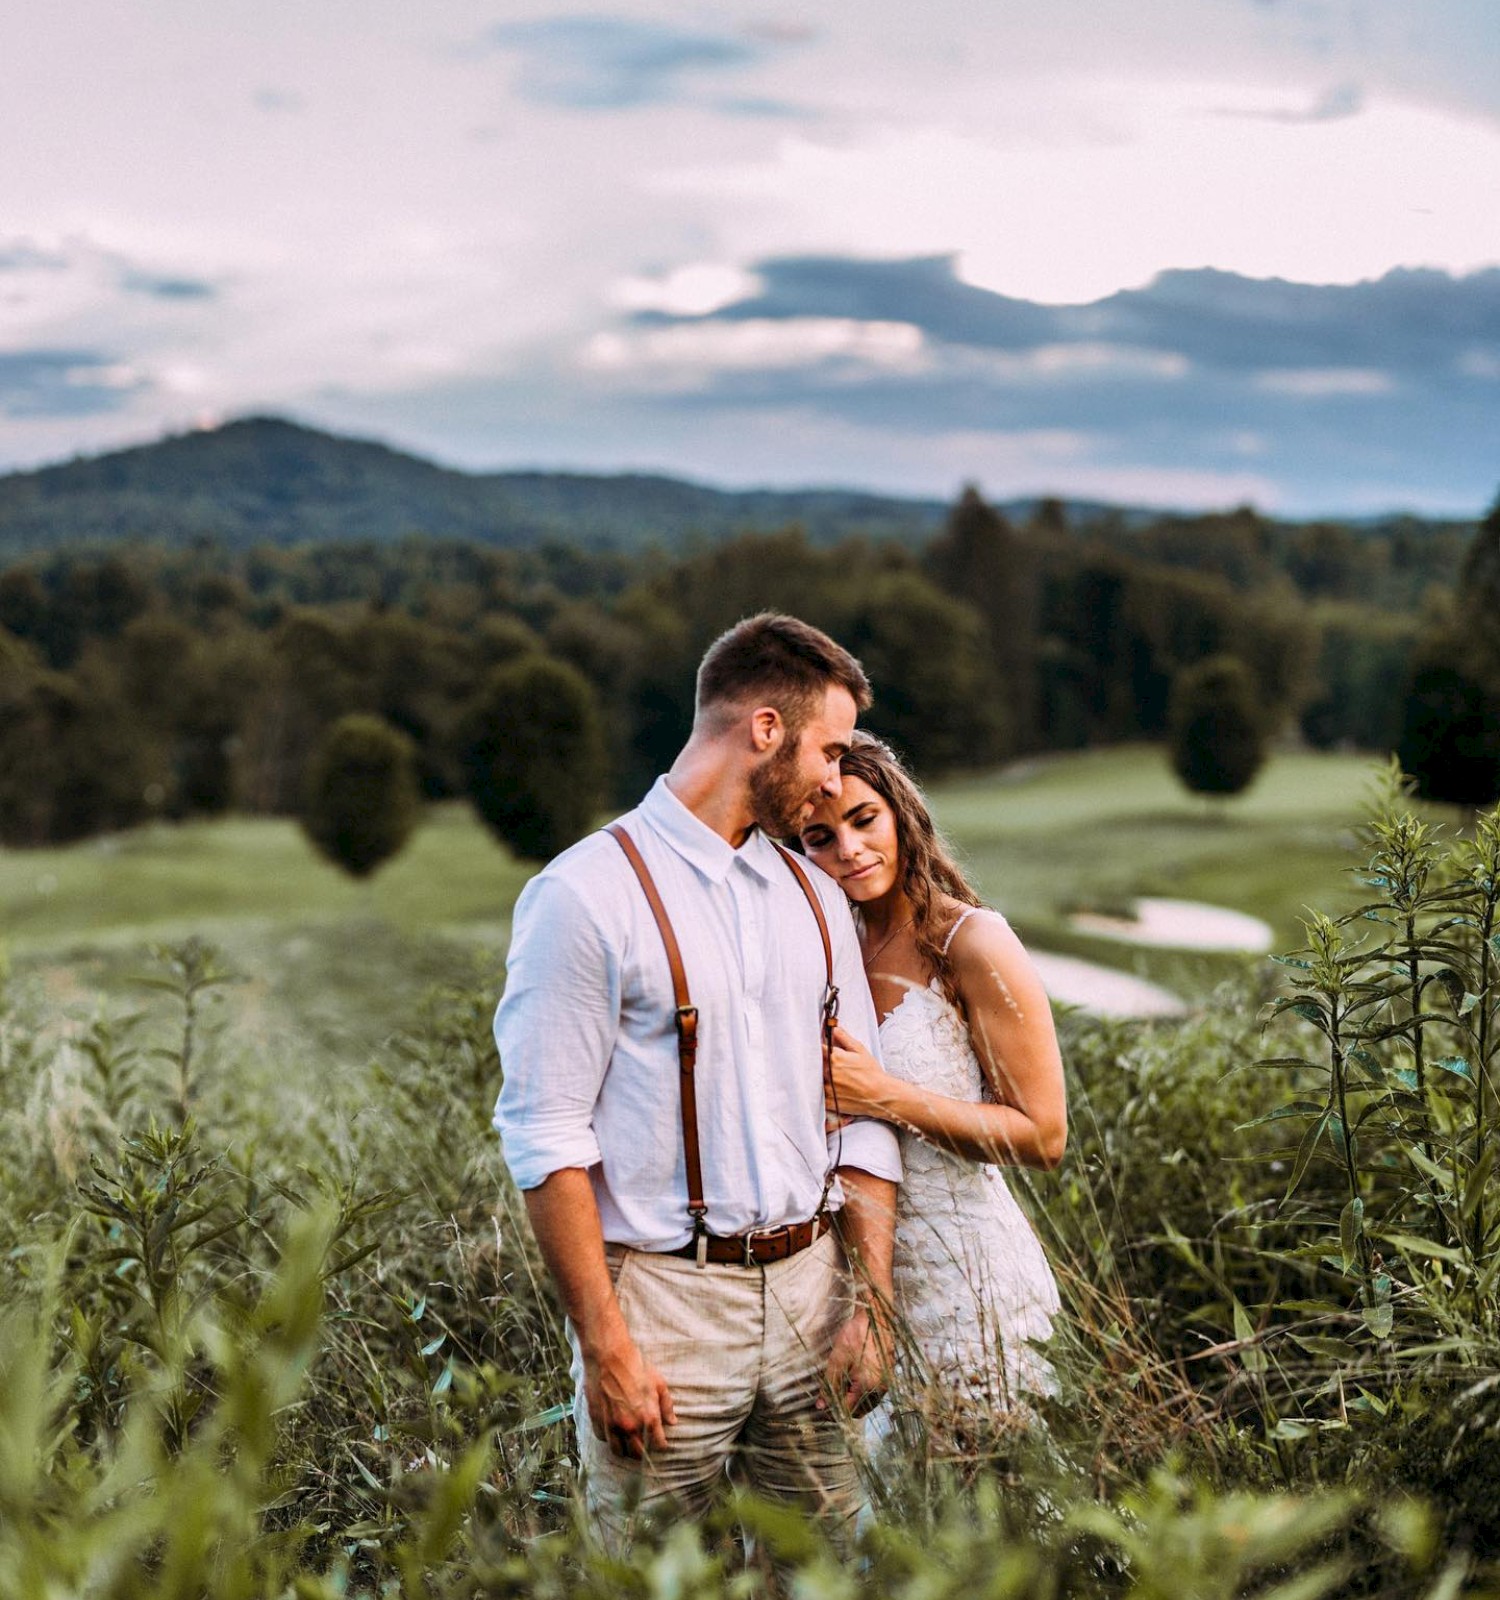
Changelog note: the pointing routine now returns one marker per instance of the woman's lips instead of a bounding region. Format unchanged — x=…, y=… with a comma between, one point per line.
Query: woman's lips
x=861, y=872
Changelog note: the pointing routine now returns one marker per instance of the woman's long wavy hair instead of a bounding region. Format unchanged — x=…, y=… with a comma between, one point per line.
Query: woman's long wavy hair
x=928, y=869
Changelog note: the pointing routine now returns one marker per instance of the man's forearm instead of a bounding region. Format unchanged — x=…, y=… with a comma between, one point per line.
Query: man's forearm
x=628, y=1401
x=565, y=1219
x=867, y=1227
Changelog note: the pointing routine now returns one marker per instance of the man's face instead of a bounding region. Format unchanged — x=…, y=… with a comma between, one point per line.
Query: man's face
x=787, y=786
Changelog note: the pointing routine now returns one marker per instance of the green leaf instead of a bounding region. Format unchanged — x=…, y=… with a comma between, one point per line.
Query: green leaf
x=1440, y=1175
x=545, y=1419
x=1414, y=1244
x=1457, y=1065
x=1379, y=1316
x=1380, y=1319
x=1297, y=1108
x=1252, y=1355
x=1467, y=1005
x=1305, y=1151
x=1351, y=1231
x=1317, y=1344
x=1478, y=1181
x=1290, y=1428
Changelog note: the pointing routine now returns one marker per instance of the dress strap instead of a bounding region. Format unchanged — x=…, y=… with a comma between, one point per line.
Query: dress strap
x=963, y=917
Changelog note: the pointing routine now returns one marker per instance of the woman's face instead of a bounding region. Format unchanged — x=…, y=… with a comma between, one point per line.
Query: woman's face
x=853, y=839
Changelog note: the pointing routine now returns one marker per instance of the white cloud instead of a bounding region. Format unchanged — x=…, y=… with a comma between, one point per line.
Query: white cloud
x=1085, y=360
x=695, y=350
x=1320, y=383
x=1068, y=221
x=406, y=222
x=692, y=290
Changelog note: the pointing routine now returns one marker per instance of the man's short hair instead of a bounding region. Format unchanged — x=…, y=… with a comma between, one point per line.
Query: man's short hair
x=775, y=660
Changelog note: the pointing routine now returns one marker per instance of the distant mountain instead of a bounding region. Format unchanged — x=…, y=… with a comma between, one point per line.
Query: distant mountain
x=265, y=480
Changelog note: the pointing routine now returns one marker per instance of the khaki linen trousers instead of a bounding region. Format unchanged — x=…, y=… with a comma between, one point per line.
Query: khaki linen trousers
x=743, y=1350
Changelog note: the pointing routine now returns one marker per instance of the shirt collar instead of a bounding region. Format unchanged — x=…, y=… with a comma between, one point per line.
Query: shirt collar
x=698, y=844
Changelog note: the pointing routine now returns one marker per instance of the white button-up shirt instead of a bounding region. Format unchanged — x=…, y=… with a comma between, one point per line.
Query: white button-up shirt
x=588, y=1044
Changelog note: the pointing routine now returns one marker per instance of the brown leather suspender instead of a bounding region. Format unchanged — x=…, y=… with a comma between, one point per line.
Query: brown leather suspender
x=686, y=1018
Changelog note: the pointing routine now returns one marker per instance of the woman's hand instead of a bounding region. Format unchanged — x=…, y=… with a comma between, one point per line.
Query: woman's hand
x=860, y=1088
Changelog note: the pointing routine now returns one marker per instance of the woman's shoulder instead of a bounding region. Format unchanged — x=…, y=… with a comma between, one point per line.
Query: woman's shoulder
x=984, y=947
x=964, y=925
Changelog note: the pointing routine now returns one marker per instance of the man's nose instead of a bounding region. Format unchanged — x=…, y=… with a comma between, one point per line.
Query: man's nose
x=833, y=783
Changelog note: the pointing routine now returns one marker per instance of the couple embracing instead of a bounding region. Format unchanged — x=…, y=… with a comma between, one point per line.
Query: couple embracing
x=756, y=1129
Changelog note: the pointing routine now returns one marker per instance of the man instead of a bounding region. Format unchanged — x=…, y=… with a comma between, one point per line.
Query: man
x=714, y=1334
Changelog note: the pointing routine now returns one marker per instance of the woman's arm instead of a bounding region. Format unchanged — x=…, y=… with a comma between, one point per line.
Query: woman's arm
x=1010, y=1026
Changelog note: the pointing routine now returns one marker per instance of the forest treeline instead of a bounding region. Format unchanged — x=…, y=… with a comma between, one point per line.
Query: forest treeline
x=156, y=681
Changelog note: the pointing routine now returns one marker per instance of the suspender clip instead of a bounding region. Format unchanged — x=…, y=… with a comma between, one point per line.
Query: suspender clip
x=830, y=1006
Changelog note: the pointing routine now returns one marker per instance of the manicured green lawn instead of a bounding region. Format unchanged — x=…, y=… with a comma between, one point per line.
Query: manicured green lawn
x=1098, y=828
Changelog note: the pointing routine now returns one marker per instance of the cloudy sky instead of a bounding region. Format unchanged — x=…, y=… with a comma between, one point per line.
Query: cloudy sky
x=1179, y=252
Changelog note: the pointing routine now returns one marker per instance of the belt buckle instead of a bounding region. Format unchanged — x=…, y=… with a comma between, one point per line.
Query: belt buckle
x=748, y=1258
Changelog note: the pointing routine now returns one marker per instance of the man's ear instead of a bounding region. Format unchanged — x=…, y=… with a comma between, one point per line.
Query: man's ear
x=767, y=730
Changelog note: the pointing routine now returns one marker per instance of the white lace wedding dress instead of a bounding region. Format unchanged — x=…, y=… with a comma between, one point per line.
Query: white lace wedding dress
x=972, y=1284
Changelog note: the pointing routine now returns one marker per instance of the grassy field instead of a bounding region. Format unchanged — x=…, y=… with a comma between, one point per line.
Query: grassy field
x=342, y=961
x=1232, y=1409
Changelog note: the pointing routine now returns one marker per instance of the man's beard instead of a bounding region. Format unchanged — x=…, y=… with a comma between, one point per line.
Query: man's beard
x=778, y=793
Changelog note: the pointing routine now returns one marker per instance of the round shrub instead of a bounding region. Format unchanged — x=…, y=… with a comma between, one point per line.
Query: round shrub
x=362, y=799
x=533, y=756
x=1216, y=727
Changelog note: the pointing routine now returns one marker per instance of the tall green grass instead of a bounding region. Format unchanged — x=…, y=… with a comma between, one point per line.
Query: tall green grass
x=275, y=1325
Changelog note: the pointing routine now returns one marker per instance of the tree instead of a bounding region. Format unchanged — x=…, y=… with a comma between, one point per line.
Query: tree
x=1216, y=728
x=362, y=799
x=936, y=697
x=1479, y=593
x=533, y=756
x=979, y=559
x=1450, y=733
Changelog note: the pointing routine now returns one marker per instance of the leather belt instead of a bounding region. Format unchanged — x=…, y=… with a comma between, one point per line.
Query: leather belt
x=758, y=1249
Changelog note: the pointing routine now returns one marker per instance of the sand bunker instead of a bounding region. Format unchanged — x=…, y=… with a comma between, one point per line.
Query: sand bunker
x=1102, y=989
x=1181, y=925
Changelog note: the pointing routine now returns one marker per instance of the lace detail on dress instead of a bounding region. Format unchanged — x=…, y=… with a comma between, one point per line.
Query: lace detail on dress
x=971, y=1280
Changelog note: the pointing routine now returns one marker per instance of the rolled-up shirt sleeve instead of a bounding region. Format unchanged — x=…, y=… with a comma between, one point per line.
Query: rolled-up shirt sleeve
x=555, y=1028
x=869, y=1145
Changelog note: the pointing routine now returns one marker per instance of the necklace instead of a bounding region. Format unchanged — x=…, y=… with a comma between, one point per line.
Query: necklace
x=875, y=953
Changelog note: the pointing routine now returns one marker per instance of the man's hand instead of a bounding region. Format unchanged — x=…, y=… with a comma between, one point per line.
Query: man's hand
x=630, y=1406
x=859, y=1365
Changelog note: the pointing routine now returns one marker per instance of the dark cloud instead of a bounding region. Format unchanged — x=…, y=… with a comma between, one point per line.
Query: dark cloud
x=1409, y=323
x=606, y=63
x=166, y=288
x=1344, y=396
x=21, y=255
x=62, y=383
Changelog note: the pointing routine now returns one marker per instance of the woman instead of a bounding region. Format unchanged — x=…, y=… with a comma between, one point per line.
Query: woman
x=972, y=1078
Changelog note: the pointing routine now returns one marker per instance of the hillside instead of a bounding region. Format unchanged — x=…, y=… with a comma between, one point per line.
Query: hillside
x=265, y=480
